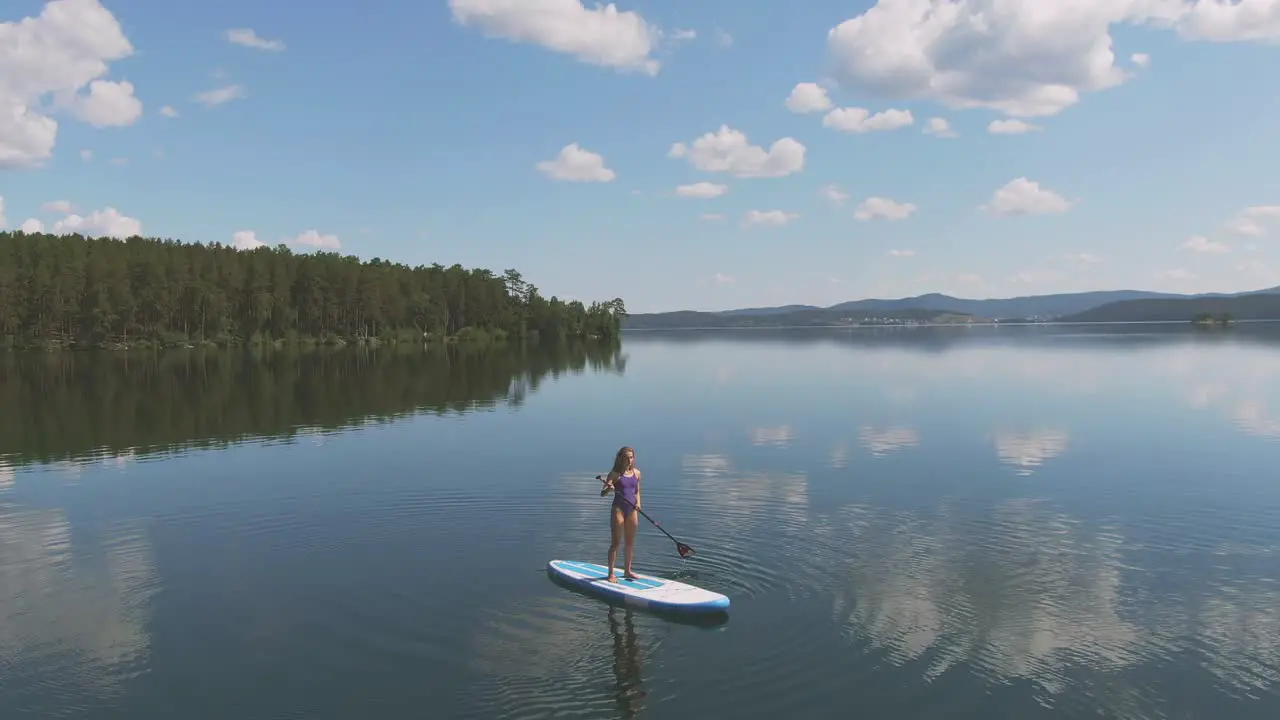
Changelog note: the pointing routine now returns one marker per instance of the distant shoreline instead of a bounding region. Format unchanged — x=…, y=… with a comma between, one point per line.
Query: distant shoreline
x=903, y=326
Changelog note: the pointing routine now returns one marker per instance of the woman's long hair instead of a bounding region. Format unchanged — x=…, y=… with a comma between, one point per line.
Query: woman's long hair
x=620, y=460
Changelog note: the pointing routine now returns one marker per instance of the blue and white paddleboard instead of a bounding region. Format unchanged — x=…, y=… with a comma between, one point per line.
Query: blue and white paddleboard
x=645, y=591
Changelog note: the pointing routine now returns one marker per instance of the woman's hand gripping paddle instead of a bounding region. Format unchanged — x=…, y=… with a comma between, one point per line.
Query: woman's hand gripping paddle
x=684, y=550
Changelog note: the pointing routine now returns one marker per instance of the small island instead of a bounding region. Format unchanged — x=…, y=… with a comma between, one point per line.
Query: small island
x=1205, y=319
x=71, y=291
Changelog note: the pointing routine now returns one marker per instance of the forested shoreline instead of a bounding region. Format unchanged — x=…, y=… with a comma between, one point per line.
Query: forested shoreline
x=74, y=291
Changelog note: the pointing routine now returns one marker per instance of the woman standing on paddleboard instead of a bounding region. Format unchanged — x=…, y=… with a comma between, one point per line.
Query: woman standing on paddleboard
x=624, y=483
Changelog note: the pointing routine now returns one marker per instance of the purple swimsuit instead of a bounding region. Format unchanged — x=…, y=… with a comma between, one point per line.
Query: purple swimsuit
x=624, y=492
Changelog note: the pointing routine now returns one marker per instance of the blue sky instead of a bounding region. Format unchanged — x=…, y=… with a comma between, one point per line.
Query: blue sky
x=430, y=132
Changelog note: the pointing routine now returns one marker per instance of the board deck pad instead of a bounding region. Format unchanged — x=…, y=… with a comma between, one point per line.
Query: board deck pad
x=645, y=591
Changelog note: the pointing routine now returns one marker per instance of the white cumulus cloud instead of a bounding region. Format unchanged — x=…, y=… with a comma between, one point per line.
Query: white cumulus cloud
x=1021, y=57
x=902, y=253
x=1025, y=197
x=246, y=37
x=939, y=127
x=573, y=164
x=1202, y=244
x=860, y=120
x=702, y=190
x=1010, y=127
x=55, y=62
x=807, y=97
x=1253, y=221
x=107, y=222
x=58, y=206
x=315, y=239
x=768, y=217
x=245, y=240
x=168, y=111
x=883, y=208
x=835, y=194
x=728, y=151
x=32, y=226
x=1140, y=59
x=219, y=96
x=601, y=35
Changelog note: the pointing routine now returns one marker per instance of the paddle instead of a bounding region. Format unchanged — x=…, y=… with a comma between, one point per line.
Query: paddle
x=684, y=550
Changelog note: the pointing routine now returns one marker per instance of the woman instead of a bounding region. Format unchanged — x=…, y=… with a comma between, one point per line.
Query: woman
x=624, y=483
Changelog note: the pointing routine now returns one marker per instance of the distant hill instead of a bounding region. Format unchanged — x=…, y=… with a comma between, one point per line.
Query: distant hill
x=1254, y=306
x=918, y=308
x=799, y=318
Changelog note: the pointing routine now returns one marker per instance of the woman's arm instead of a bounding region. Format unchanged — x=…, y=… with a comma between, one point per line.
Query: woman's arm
x=638, y=503
x=608, y=485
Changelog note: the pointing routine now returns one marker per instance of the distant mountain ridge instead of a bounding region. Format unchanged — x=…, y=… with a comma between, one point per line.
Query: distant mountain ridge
x=1038, y=307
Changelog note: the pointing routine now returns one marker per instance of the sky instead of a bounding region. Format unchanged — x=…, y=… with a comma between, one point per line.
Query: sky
x=679, y=154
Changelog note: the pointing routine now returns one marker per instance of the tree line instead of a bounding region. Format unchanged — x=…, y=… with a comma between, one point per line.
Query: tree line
x=76, y=290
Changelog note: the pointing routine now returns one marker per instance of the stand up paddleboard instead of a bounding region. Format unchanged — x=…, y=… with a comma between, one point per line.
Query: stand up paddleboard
x=645, y=591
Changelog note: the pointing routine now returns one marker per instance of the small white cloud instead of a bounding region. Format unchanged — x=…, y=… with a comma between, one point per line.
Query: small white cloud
x=902, y=253
x=860, y=120
x=1011, y=127
x=835, y=194
x=1202, y=244
x=58, y=206
x=768, y=217
x=807, y=97
x=1025, y=197
x=219, y=96
x=679, y=35
x=702, y=190
x=119, y=161
x=722, y=279
x=1252, y=221
x=601, y=36
x=723, y=39
x=728, y=151
x=246, y=37
x=939, y=127
x=1258, y=272
x=573, y=164
x=109, y=104
x=884, y=208
x=1083, y=258
x=168, y=111
x=86, y=155
x=314, y=239
x=32, y=226
x=1176, y=274
x=245, y=240
x=107, y=222
x=1140, y=59
x=712, y=217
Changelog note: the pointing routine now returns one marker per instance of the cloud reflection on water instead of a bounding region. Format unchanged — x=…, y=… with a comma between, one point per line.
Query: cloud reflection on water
x=64, y=595
x=1024, y=592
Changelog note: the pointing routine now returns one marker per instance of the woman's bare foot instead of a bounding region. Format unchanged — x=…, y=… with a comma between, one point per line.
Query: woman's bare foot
x=630, y=576
x=611, y=578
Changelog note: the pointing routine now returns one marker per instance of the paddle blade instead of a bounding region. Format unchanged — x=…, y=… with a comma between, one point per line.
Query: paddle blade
x=684, y=550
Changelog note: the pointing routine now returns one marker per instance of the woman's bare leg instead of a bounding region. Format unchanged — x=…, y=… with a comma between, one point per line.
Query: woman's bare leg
x=615, y=536
x=629, y=529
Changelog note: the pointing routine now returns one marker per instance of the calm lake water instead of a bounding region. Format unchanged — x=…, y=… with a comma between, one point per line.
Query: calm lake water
x=954, y=523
